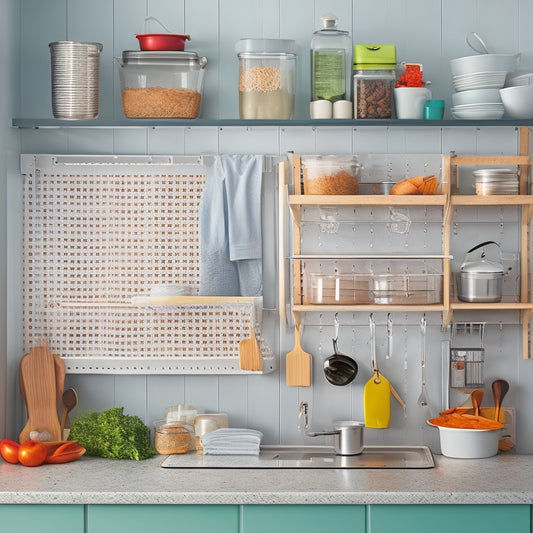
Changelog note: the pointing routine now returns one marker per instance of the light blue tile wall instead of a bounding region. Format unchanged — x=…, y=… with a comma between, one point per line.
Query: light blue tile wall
x=426, y=31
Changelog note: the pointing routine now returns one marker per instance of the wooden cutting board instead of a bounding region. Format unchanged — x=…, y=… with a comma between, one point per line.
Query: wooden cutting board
x=38, y=382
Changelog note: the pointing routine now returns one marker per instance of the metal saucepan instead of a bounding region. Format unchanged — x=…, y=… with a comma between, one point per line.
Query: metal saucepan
x=339, y=369
x=348, y=437
x=480, y=280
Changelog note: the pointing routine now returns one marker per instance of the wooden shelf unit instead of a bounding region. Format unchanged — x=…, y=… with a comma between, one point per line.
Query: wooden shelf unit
x=447, y=198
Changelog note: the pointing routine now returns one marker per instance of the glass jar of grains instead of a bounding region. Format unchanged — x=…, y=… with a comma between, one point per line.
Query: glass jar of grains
x=267, y=78
x=331, y=174
x=171, y=438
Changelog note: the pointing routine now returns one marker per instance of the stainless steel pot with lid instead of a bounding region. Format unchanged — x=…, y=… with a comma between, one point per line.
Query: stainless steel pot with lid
x=480, y=280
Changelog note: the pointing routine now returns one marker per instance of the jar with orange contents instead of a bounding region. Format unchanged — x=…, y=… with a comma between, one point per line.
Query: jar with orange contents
x=267, y=78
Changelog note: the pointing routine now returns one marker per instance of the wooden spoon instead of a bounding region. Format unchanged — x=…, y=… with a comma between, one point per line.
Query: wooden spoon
x=499, y=390
x=70, y=400
x=477, y=398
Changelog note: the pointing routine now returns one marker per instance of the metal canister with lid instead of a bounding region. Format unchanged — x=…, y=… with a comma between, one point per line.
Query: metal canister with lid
x=480, y=280
x=374, y=77
x=267, y=78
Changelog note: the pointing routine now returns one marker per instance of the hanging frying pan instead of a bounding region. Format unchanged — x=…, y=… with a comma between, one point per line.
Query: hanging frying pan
x=339, y=369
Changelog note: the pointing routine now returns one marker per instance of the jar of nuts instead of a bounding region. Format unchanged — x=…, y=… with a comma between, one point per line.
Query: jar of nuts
x=374, y=78
x=171, y=438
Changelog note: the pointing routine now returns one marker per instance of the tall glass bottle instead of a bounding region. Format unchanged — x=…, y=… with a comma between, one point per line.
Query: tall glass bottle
x=331, y=62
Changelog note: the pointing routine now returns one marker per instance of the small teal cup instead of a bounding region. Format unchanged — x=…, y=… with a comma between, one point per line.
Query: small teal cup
x=434, y=110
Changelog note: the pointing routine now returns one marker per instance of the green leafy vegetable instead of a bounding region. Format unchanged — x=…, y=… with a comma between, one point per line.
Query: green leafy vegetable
x=113, y=435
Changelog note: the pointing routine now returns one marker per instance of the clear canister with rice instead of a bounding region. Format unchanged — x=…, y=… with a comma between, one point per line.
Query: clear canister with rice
x=267, y=78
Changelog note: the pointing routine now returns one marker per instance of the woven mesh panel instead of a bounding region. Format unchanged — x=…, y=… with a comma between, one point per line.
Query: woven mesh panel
x=105, y=237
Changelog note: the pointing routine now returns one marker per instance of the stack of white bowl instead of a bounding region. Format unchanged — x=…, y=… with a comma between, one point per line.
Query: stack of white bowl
x=517, y=96
x=481, y=77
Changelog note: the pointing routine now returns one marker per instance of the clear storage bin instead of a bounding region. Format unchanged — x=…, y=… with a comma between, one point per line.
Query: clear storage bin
x=374, y=78
x=267, y=78
x=161, y=84
x=387, y=281
x=330, y=174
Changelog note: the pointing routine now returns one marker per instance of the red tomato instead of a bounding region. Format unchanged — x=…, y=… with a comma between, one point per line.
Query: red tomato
x=9, y=450
x=32, y=453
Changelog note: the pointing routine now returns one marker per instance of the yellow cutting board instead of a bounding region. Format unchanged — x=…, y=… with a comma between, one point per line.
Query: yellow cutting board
x=377, y=402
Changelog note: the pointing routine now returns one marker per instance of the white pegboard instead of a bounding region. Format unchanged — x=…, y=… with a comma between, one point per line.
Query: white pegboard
x=100, y=231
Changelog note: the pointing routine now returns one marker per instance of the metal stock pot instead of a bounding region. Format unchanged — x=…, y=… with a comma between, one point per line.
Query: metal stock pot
x=480, y=280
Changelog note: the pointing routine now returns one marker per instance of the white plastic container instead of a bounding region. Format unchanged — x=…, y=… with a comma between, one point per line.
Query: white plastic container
x=267, y=78
x=462, y=443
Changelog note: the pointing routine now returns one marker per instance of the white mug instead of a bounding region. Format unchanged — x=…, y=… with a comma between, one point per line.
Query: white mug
x=410, y=102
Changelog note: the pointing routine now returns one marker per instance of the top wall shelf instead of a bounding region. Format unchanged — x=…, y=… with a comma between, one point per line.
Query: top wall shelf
x=50, y=123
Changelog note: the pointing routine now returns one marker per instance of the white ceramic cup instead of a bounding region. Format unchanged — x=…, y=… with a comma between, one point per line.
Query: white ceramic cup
x=321, y=109
x=342, y=109
x=410, y=102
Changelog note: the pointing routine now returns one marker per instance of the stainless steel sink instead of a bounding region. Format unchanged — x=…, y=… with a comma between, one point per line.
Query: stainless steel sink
x=288, y=456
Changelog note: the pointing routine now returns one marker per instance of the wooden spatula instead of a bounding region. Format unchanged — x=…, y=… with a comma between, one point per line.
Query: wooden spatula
x=38, y=378
x=250, y=353
x=298, y=363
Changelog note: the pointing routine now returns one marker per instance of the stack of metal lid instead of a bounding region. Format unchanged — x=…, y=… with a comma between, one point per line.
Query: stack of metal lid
x=496, y=181
x=75, y=79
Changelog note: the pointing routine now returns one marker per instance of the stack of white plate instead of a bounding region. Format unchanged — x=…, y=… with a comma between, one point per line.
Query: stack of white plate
x=75, y=79
x=478, y=111
x=477, y=104
x=496, y=181
x=479, y=80
x=480, y=73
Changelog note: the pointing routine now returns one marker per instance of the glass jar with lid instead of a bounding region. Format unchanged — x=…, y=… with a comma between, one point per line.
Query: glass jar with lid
x=331, y=174
x=267, y=78
x=374, y=77
x=172, y=438
x=161, y=84
x=331, y=62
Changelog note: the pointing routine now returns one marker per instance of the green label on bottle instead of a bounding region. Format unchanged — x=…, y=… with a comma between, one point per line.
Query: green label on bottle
x=328, y=75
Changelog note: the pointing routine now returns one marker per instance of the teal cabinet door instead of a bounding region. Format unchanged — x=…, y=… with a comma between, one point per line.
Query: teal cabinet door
x=449, y=518
x=303, y=518
x=42, y=518
x=162, y=518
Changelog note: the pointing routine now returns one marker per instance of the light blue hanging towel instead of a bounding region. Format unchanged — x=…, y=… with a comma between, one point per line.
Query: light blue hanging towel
x=230, y=227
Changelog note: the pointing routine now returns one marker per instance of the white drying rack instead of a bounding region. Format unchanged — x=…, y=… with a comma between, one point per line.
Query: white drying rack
x=99, y=232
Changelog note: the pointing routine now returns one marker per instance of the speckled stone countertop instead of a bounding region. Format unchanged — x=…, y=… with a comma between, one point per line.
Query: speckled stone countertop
x=504, y=479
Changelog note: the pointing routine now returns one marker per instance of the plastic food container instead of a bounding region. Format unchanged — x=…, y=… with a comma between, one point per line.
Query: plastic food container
x=161, y=84
x=173, y=438
x=267, y=78
x=374, y=78
x=380, y=280
x=331, y=174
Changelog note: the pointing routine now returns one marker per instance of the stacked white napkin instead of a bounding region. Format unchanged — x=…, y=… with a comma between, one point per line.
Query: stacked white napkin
x=232, y=441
